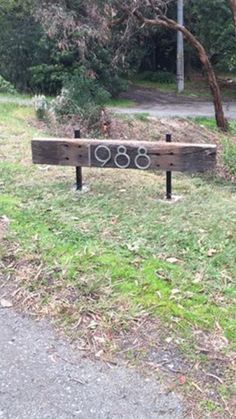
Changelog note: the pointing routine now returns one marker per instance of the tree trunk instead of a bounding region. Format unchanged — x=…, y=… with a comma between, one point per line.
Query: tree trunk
x=221, y=121
x=232, y=5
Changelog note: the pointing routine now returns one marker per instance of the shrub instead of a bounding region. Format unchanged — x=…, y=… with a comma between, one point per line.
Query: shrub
x=162, y=77
x=82, y=94
x=6, y=87
x=84, y=89
x=229, y=155
x=41, y=107
x=47, y=78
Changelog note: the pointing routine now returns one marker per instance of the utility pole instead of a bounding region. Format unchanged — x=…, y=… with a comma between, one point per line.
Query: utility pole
x=180, y=48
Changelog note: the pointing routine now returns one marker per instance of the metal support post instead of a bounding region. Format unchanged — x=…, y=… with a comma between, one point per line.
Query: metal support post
x=168, y=175
x=79, y=177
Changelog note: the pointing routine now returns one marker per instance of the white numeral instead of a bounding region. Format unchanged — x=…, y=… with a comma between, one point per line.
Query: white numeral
x=122, y=159
x=142, y=155
x=122, y=153
x=105, y=160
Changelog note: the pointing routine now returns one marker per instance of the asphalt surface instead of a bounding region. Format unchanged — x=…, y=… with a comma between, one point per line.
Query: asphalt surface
x=183, y=110
x=165, y=105
x=43, y=377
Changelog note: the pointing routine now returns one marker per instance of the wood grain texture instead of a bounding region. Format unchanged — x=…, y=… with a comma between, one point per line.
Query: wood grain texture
x=124, y=154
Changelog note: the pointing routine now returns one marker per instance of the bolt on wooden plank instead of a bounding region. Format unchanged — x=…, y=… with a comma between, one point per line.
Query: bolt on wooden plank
x=140, y=155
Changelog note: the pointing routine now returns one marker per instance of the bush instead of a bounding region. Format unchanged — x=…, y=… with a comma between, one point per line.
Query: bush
x=84, y=89
x=83, y=95
x=47, y=78
x=6, y=87
x=162, y=77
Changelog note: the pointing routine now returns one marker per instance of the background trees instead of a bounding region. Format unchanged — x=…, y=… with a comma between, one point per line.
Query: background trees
x=41, y=41
x=44, y=43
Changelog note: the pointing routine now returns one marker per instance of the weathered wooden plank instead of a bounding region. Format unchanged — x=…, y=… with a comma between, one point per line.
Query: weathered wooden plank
x=142, y=155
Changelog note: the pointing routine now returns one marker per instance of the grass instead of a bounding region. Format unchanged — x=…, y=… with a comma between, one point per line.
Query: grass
x=118, y=251
x=228, y=142
x=195, y=88
x=114, y=103
x=15, y=96
x=192, y=88
x=210, y=123
x=121, y=235
x=121, y=103
x=142, y=116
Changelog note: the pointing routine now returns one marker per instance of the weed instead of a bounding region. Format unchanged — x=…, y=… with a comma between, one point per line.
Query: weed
x=229, y=155
x=121, y=103
x=142, y=116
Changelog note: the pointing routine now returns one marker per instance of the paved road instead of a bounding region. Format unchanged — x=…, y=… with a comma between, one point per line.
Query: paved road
x=43, y=377
x=184, y=110
x=166, y=106
x=169, y=104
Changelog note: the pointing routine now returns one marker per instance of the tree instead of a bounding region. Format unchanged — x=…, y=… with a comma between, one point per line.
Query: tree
x=232, y=5
x=24, y=49
x=217, y=37
x=152, y=13
x=81, y=27
x=91, y=27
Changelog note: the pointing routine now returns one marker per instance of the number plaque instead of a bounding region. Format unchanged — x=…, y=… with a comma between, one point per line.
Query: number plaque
x=117, y=154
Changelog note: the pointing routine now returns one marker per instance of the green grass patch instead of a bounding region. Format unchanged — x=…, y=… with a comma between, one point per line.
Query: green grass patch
x=121, y=103
x=119, y=242
x=192, y=88
x=141, y=116
x=228, y=143
x=229, y=155
x=197, y=87
x=13, y=96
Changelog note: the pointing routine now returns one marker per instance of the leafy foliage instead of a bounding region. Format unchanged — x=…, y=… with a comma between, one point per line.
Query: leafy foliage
x=6, y=87
x=82, y=95
x=44, y=43
x=164, y=77
x=216, y=33
x=229, y=155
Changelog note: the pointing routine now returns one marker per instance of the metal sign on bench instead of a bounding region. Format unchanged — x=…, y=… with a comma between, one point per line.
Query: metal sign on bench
x=118, y=154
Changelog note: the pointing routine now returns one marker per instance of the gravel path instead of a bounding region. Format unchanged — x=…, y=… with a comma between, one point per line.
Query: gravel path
x=43, y=377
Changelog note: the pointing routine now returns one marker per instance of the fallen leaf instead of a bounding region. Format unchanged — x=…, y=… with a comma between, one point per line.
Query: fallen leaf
x=211, y=252
x=172, y=260
x=198, y=278
x=5, y=219
x=92, y=325
x=5, y=303
x=175, y=291
x=158, y=293
x=99, y=354
x=182, y=380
